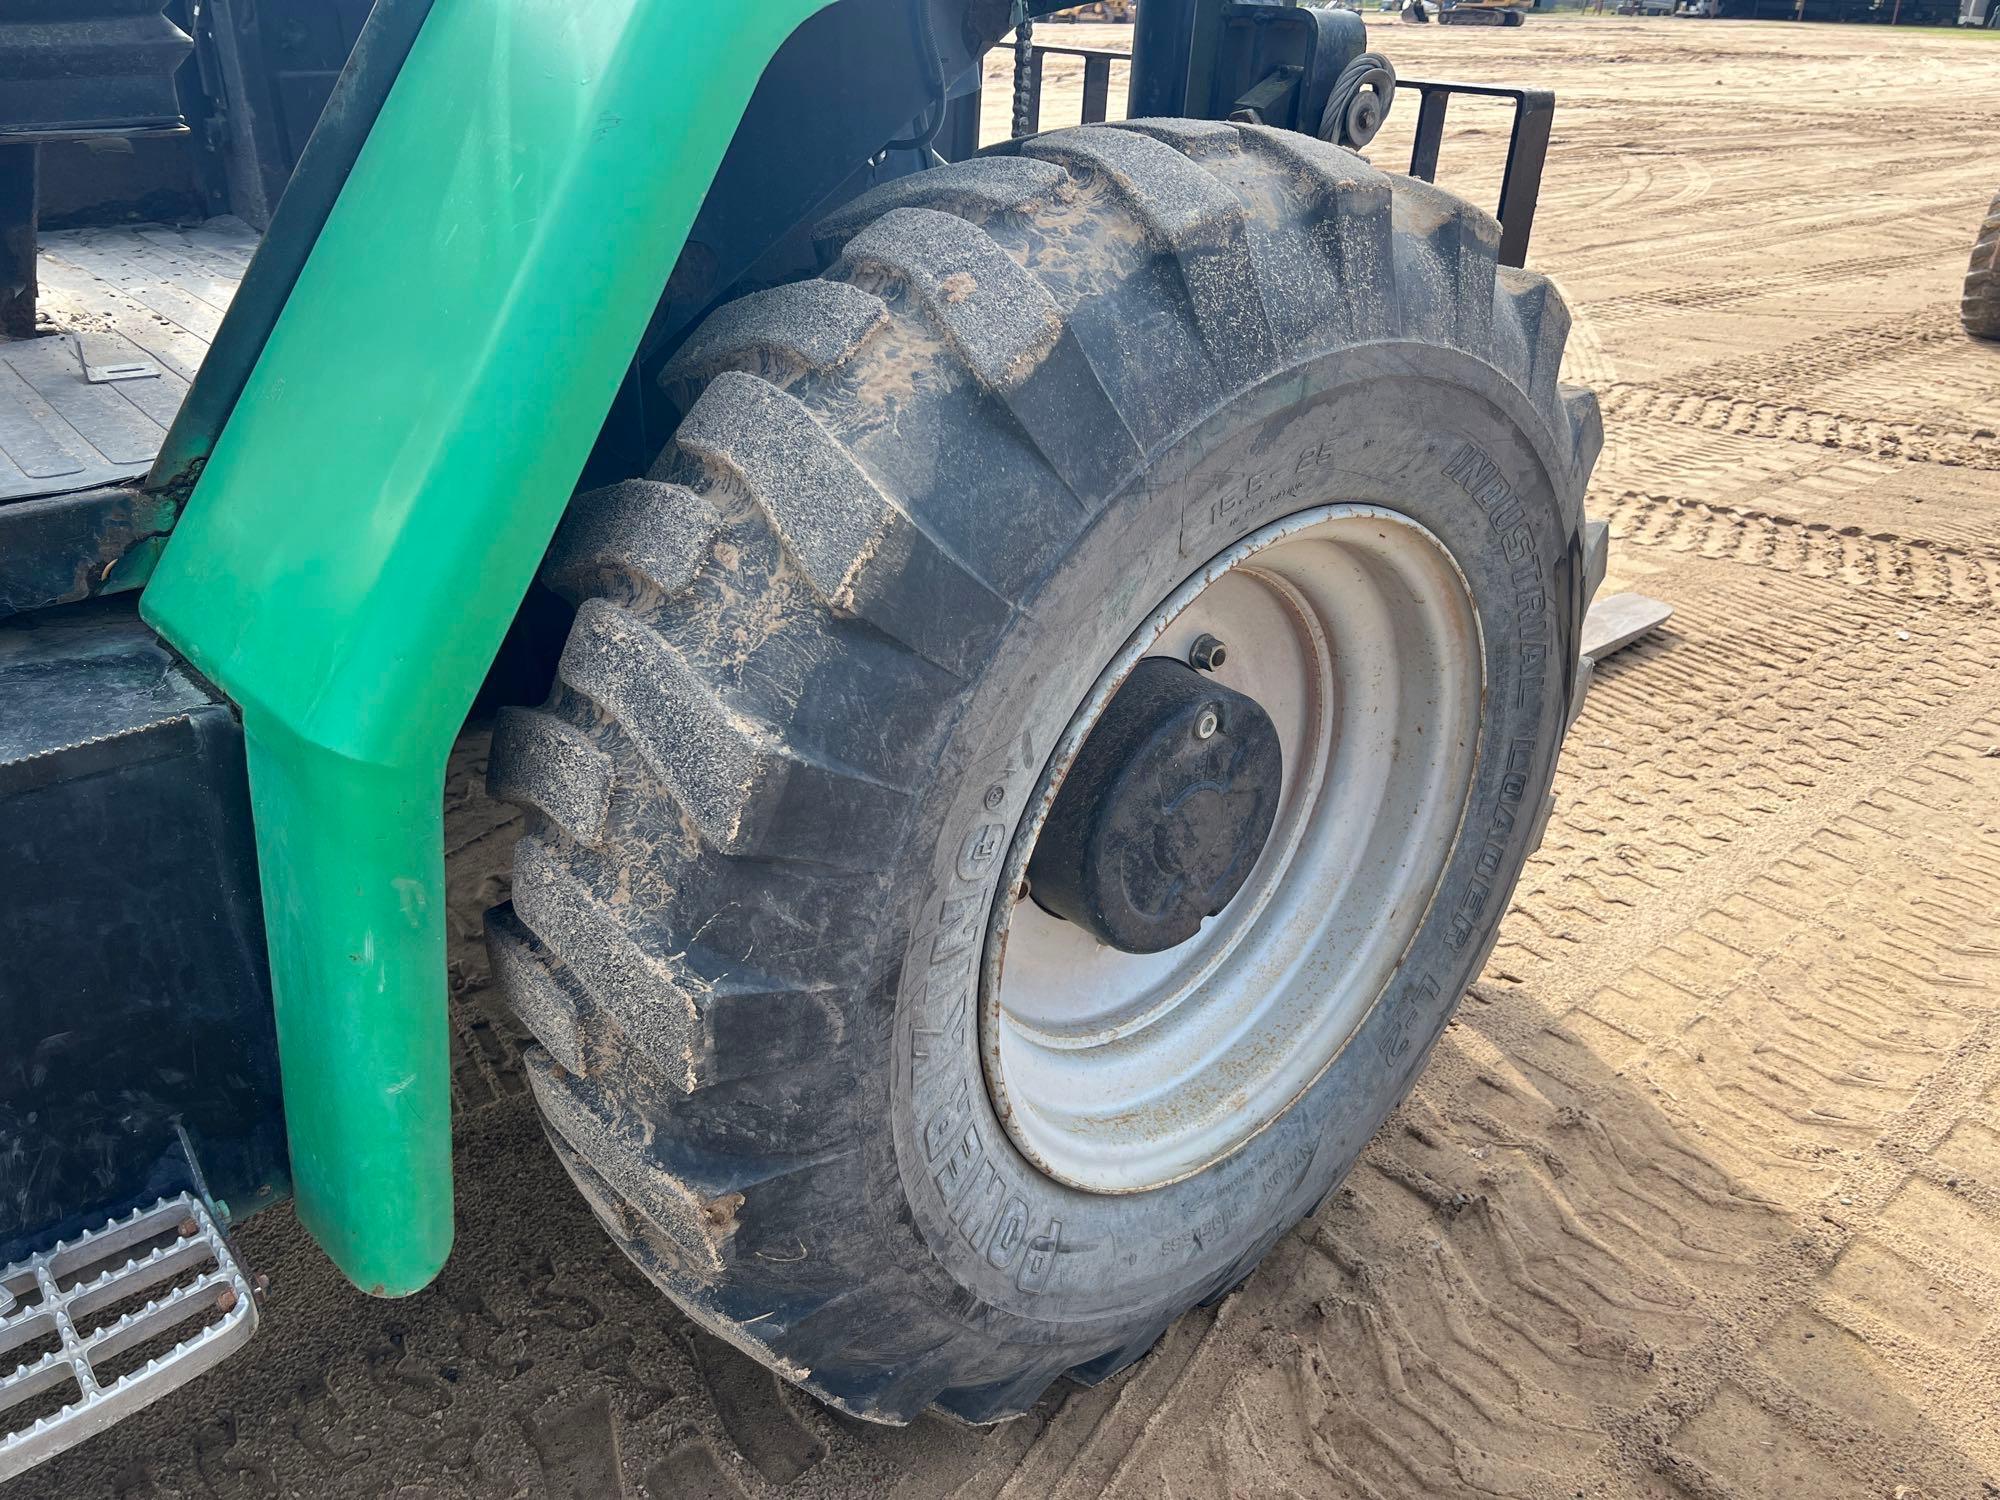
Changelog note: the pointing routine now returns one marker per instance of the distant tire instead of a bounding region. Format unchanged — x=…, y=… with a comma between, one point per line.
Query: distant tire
x=828, y=657
x=1980, y=309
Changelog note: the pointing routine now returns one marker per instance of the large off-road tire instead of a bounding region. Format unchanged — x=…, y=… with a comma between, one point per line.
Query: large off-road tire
x=824, y=653
x=1980, y=310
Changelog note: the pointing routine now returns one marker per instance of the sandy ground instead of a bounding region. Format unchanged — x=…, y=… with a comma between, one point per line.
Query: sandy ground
x=1702, y=1194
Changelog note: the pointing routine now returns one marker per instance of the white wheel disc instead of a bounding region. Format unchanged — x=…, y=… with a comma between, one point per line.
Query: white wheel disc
x=1115, y=1072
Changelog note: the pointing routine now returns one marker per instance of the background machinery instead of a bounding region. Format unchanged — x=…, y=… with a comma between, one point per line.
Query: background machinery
x=1980, y=309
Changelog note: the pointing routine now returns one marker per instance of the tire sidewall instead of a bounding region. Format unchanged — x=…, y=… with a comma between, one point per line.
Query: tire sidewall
x=1417, y=429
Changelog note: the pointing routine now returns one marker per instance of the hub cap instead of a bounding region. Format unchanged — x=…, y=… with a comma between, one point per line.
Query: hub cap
x=1192, y=925
x=1163, y=813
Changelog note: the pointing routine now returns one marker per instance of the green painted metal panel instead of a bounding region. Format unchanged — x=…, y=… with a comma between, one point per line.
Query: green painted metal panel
x=375, y=507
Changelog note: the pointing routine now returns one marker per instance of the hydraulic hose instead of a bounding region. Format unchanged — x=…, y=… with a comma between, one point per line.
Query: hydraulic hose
x=1360, y=101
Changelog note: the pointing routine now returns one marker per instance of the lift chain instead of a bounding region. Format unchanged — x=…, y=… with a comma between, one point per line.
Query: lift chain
x=1024, y=69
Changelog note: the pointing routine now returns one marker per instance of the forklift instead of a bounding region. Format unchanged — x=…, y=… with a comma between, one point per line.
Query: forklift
x=1030, y=669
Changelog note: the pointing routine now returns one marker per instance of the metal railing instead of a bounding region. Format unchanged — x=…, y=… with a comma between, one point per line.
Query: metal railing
x=960, y=136
x=1097, y=63
x=1527, y=150
x=1520, y=183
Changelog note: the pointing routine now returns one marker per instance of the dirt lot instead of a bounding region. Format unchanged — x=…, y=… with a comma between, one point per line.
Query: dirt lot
x=1702, y=1194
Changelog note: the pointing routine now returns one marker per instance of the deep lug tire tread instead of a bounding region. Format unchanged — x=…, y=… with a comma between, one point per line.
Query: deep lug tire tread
x=1980, y=309
x=748, y=645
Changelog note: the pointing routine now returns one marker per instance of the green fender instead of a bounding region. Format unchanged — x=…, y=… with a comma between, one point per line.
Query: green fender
x=376, y=505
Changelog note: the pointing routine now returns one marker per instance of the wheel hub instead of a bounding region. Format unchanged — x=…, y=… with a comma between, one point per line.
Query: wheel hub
x=1164, y=813
x=1195, y=918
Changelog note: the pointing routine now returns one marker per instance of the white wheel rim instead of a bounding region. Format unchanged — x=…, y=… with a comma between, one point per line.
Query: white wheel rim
x=1117, y=1072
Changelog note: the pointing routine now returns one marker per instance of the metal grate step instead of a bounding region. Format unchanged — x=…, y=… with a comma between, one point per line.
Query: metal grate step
x=103, y=1324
